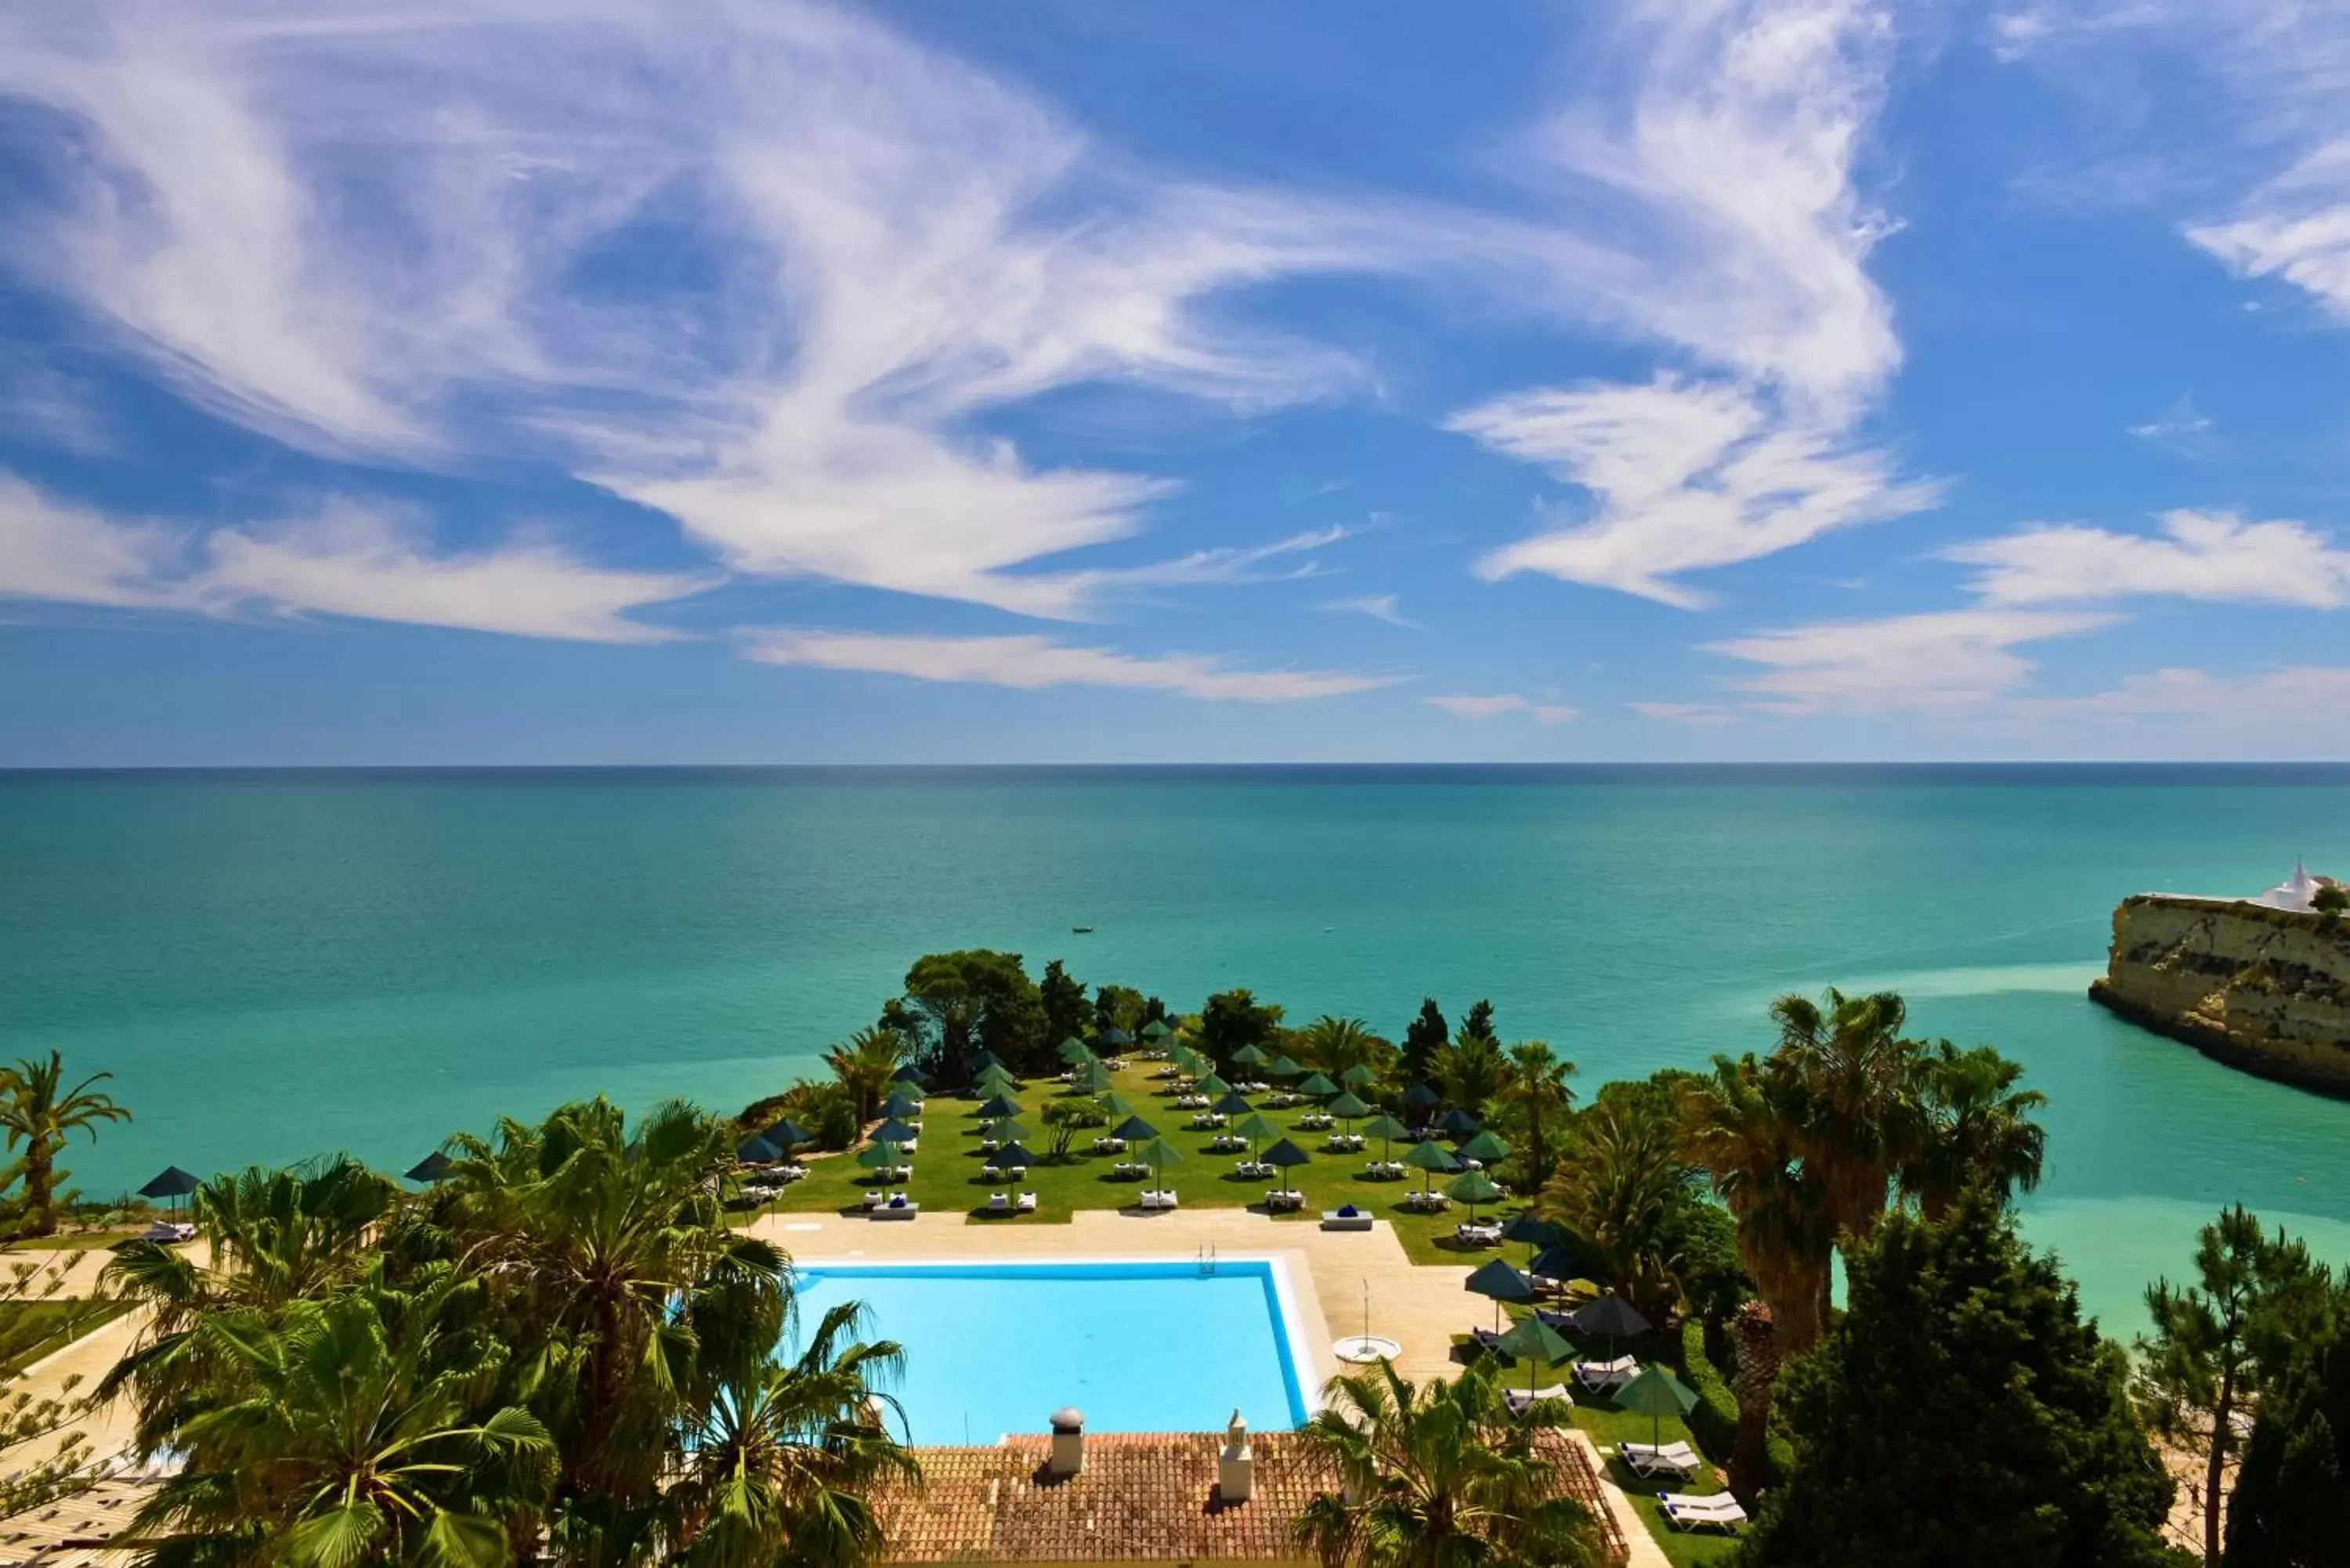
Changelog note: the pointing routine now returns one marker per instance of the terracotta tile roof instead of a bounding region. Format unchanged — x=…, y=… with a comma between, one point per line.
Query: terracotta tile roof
x=1141, y=1498
x=74, y=1531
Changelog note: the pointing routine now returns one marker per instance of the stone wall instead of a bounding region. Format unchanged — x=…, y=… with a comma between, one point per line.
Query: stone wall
x=2264, y=990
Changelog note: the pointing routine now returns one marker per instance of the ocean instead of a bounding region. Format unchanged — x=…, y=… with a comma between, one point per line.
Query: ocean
x=278, y=964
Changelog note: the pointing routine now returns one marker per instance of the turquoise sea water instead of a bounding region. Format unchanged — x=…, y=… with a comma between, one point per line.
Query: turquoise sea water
x=1138, y=1347
x=274, y=965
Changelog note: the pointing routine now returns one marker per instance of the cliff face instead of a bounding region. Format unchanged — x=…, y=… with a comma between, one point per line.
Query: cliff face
x=2261, y=989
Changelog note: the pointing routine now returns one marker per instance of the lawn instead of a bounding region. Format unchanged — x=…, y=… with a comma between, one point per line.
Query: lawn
x=30, y=1330
x=946, y=1178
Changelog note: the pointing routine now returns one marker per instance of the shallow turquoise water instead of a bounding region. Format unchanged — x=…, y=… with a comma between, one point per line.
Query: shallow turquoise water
x=993, y=1349
x=277, y=965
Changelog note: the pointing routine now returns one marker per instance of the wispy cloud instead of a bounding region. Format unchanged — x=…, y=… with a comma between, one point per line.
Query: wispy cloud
x=2295, y=698
x=1683, y=476
x=2197, y=554
x=1731, y=171
x=1477, y=709
x=1943, y=661
x=344, y=558
x=1701, y=715
x=1030, y=663
x=1378, y=607
x=2181, y=428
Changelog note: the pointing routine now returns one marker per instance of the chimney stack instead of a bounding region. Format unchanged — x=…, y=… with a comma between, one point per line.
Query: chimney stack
x=1069, y=1456
x=1236, y=1466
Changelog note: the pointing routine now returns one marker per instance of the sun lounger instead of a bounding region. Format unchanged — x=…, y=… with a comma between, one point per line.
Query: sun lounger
x=1599, y=1376
x=1520, y=1400
x=1478, y=1235
x=1346, y=1219
x=1153, y=1199
x=1719, y=1510
x=873, y=1200
x=1284, y=1198
x=1028, y=1203
x=1675, y=1460
x=168, y=1232
x=999, y=1203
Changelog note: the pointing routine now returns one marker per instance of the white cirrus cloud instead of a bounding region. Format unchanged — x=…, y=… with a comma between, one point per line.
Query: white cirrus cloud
x=1682, y=476
x=1730, y=175
x=2182, y=427
x=381, y=563
x=2284, y=705
x=1378, y=607
x=1934, y=663
x=1704, y=715
x=55, y=550
x=1477, y=709
x=1030, y=663
x=2295, y=226
x=2197, y=554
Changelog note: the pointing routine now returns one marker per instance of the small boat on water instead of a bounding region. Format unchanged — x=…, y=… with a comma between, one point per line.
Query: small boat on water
x=1082, y=931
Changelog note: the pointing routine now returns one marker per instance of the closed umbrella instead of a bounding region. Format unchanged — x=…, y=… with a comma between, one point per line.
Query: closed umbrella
x=1347, y=1109
x=1458, y=1124
x=1485, y=1147
x=894, y=1131
x=1610, y=1316
x=1472, y=1188
x=1012, y=1156
x=1532, y=1341
x=1657, y=1394
x=999, y=1107
x=1429, y=1159
x=174, y=1183
x=1317, y=1087
x=431, y=1167
x=1249, y=1056
x=1134, y=1130
x=1502, y=1284
x=1420, y=1097
x=1287, y=1157
x=1387, y=1129
x=1358, y=1076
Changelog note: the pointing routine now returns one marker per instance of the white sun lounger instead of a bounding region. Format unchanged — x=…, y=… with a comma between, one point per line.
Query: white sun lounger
x=1678, y=1460
x=999, y=1202
x=1717, y=1511
x=1028, y=1203
x=1601, y=1376
x=1520, y=1400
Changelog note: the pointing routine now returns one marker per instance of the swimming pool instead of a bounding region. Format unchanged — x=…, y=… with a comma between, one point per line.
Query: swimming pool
x=1140, y=1347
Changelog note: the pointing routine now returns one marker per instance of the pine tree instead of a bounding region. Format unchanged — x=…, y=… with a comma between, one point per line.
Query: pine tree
x=1423, y=1037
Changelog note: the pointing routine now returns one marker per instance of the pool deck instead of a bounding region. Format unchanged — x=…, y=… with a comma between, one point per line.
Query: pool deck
x=1420, y=1307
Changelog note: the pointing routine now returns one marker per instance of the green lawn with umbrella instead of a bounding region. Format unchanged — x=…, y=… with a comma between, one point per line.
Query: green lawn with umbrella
x=1358, y=1076
x=1211, y=1085
x=1536, y=1344
x=1387, y=1129
x=999, y=1107
x=1074, y=1051
x=1283, y=1066
x=1317, y=1087
x=1657, y=1394
x=1498, y=1282
x=1093, y=1078
x=1258, y=1128
x=1134, y=1130
x=881, y=1157
x=1250, y=1056
x=1348, y=1109
x=1286, y=1156
x=1159, y=1154
x=1472, y=1188
x=1431, y=1159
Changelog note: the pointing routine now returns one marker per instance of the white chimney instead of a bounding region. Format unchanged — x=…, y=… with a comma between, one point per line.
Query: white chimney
x=1068, y=1455
x=1236, y=1466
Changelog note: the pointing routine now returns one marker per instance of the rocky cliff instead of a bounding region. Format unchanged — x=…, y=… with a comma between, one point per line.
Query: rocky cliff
x=2264, y=990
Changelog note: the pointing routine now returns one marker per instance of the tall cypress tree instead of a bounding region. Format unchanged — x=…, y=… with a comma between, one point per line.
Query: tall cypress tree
x=1423, y=1037
x=1963, y=1414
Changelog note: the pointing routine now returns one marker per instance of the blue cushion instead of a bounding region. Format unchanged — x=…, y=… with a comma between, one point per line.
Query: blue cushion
x=1346, y=1211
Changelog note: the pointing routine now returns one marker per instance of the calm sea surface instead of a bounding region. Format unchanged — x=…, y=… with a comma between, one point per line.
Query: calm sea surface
x=278, y=964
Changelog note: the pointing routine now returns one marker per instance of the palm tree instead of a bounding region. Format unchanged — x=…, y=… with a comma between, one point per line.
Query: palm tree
x=350, y=1437
x=1857, y=1082
x=1977, y=1129
x=1335, y=1044
x=1440, y=1477
x=1533, y=1091
x=864, y=1062
x=1471, y=1071
x=783, y=1458
x=1739, y=1126
x=614, y=1257
x=39, y=1116
x=1618, y=1192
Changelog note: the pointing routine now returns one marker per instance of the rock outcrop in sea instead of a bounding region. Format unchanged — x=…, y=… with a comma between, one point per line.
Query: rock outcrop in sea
x=2259, y=987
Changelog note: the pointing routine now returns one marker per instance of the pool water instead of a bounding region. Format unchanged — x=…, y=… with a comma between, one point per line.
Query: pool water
x=995, y=1348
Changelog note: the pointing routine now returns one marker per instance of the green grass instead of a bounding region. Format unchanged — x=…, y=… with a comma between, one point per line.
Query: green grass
x=30, y=1330
x=947, y=1167
x=73, y=1241
x=947, y=1179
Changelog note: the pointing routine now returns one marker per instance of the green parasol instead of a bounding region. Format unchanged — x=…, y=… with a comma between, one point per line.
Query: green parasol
x=1004, y=1129
x=1317, y=1087
x=873, y=1157
x=1486, y=1148
x=1472, y=1188
x=1531, y=1340
x=1211, y=1085
x=1387, y=1129
x=1093, y=1078
x=1430, y=1157
x=1347, y=1109
x=1074, y=1051
x=1249, y=1056
x=1283, y=1067
x=1159, y=1154
x=1156, y=1030
x=1655, y=1394
x=1114, y=1104
x=1358, y=1076
x=1257, y=1127
x=1501, y=1282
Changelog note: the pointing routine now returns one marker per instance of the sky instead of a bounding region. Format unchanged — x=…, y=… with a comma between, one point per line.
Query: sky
x=693, y=381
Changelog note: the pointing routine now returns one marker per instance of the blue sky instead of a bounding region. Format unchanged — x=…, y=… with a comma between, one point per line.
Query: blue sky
x=509, y=381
